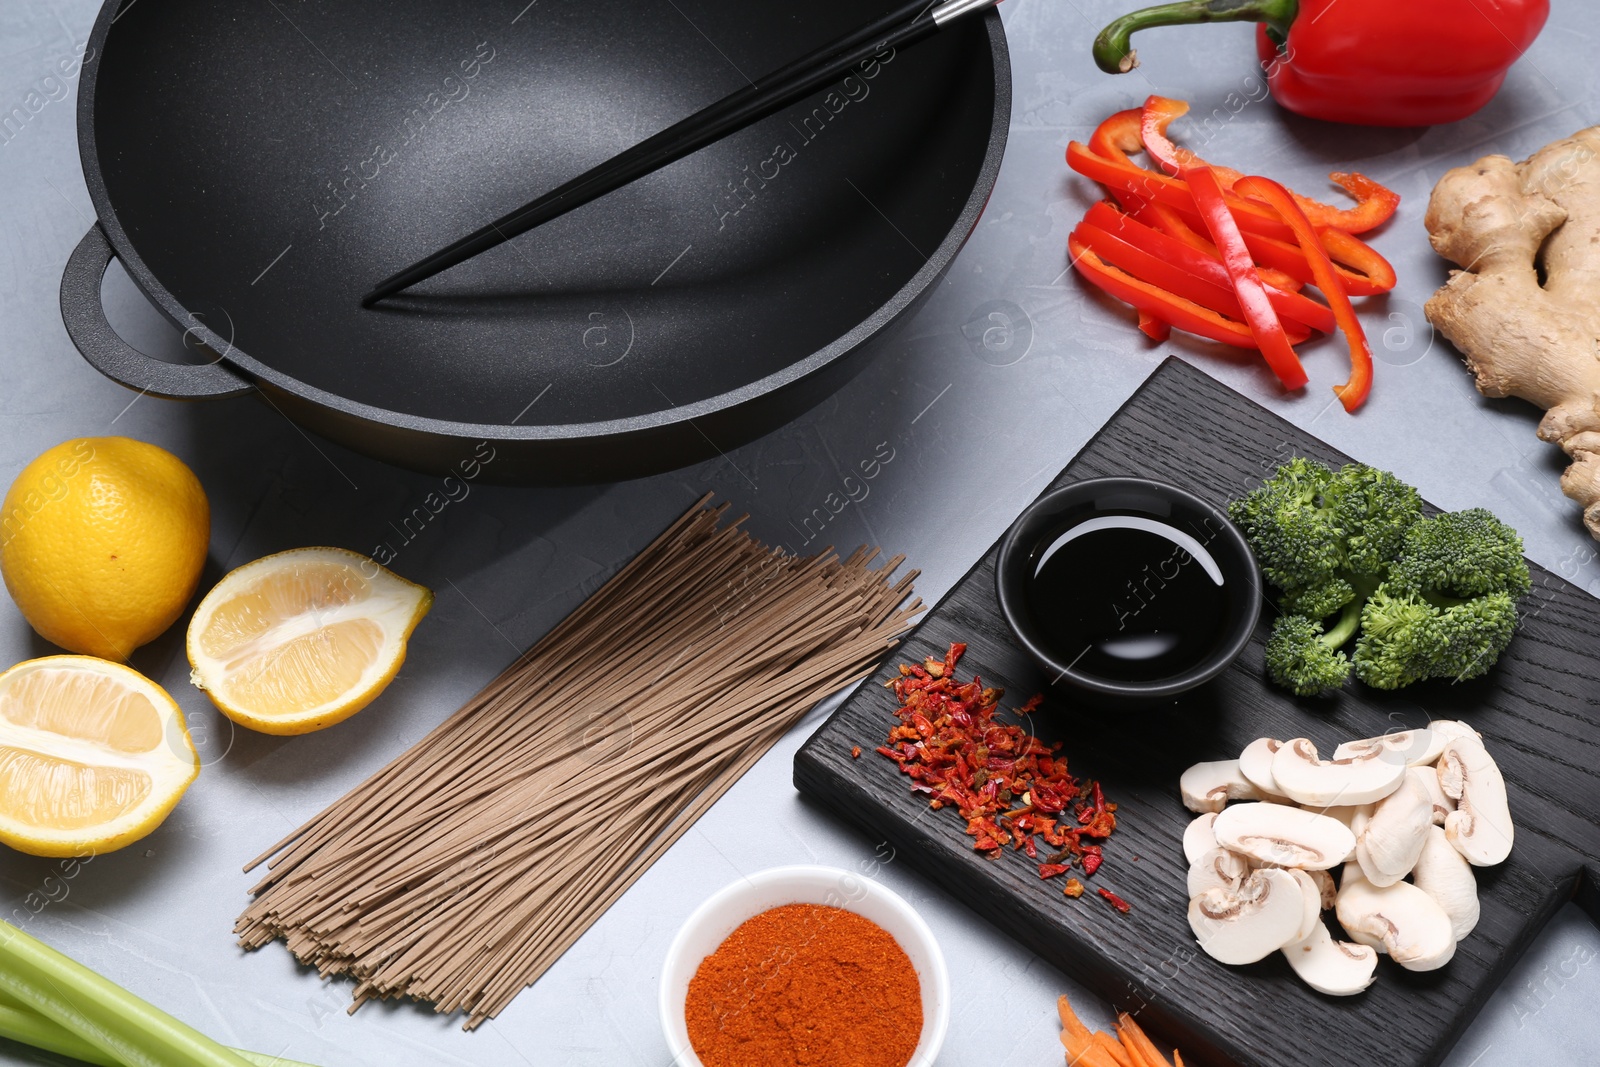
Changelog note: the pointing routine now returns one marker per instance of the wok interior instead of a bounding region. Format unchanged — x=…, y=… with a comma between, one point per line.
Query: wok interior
x=269, y=164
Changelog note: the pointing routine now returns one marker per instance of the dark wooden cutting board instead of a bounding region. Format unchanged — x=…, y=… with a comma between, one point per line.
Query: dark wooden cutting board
x=1538, y=710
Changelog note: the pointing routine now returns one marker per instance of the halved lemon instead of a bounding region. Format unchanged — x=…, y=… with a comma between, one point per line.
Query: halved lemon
x=302, y=639
x=93, y=755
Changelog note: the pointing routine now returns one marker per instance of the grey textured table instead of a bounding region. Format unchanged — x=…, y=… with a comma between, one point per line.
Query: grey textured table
x=977, y=401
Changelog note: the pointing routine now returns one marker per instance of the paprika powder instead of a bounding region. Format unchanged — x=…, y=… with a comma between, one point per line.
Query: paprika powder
x=803, y=985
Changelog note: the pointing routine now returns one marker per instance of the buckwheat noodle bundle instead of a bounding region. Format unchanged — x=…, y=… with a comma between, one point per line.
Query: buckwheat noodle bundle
x=461, y=871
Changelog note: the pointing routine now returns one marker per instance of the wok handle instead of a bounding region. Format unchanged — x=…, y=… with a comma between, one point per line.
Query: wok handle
x=85, y=319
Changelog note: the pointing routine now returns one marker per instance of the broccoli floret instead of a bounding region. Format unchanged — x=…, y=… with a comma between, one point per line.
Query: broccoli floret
x=1449, y=607
x=1399, y=644
x=1374, y=510
x=1303, y=659
x=1464, y=554
x=1293, y=535
x=1350, y=552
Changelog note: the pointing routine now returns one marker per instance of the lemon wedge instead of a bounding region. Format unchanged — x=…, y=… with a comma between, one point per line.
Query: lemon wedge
x=93, y=755
x=300, y=640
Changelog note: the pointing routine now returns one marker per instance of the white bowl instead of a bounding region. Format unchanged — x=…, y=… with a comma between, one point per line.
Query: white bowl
x=719, y=916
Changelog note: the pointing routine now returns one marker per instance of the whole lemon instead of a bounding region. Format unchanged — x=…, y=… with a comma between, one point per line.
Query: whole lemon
x=102, y=540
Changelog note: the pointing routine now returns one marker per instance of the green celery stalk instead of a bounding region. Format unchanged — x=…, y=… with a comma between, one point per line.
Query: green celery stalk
x=30, y=1028
x=127, y=1031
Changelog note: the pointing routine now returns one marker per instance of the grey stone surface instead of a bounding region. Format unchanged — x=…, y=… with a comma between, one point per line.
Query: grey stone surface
x=977, y=402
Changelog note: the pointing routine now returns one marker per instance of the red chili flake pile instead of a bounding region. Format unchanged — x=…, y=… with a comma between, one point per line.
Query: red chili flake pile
x=1009, y=786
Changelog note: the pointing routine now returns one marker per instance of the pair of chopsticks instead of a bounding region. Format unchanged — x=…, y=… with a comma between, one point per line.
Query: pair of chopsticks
x=904, y=26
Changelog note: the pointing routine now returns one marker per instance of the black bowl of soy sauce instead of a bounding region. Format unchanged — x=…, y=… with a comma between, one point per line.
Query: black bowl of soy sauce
x=1127, y=589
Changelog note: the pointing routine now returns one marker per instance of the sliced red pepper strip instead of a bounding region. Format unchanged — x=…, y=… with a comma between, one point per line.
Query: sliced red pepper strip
x=1153, y=327
x=1121, y=177
x=1154, y=118
x=1375, y=204
x=1184, y=314
x=1289, y=304
x=1174, y=279
x=1264, y=322
x=1353, y=392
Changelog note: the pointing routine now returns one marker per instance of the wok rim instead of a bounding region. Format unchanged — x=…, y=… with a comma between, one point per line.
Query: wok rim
x=256, y=373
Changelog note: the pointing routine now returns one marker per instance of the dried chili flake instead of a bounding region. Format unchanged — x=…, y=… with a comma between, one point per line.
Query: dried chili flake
x=1116, y=901
x=1073, y=889
x=1009, y=787
x=855, y=752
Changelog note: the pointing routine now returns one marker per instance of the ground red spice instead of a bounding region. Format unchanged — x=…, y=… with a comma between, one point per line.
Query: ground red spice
x=803, y=985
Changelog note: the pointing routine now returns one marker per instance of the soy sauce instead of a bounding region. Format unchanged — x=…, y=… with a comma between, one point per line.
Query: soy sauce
x=1128, y=597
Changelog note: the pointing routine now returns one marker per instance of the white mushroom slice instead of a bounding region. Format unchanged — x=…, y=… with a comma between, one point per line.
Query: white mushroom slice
x=1337, y=968
x=1446, y=876
x=1409, y=924
x=1312, y=916
x=1283, y=835
x=1217, y=869
x=1354, y=816
x=1360, y=779
x=1347, y=879
x=1198, y=838
x=1418, y=747
x=1428, y=779
x=1209, y=786
x=1450, y=729
x=1480, y=827
x=1325, y=887
x=1251, y=923
x=1392, y=838
x=1255, y=763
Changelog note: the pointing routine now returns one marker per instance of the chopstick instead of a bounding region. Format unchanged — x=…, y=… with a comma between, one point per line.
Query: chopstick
x=904, y=26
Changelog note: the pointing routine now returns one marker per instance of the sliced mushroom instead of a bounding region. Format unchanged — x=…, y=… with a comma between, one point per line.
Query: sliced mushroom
x=1284, y=836
x=1428, y=779
x=1480, y=827
x=1198, y=838
x=1407, y=923
x=1209, y=786
x=1418, y=747
x=1450, y=729
x=1325, y=887
x=1392, y=838
x=1255, y=763
x=1364, y=778
x=1252, y=922
x=1446, y=876
x=1312, y=916
x=1218, y=868
x=1354, y=816
x=1337, y=968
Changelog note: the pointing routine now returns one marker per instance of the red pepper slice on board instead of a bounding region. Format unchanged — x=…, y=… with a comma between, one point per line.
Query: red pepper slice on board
x=1186, y=315
x=1353, y=392
x=1264, y=322
x=1291, y=305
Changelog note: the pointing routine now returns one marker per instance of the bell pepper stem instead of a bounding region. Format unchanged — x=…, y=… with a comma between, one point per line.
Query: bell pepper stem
x=1113, y=49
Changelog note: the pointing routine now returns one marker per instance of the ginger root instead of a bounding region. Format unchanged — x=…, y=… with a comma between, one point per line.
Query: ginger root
x=1525, y=307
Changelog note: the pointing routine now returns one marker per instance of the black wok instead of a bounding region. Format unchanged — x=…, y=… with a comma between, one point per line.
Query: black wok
x=256, y=167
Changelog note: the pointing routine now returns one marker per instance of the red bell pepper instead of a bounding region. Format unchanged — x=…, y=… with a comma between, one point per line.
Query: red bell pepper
x=1353, y=392
x=1368, y=62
